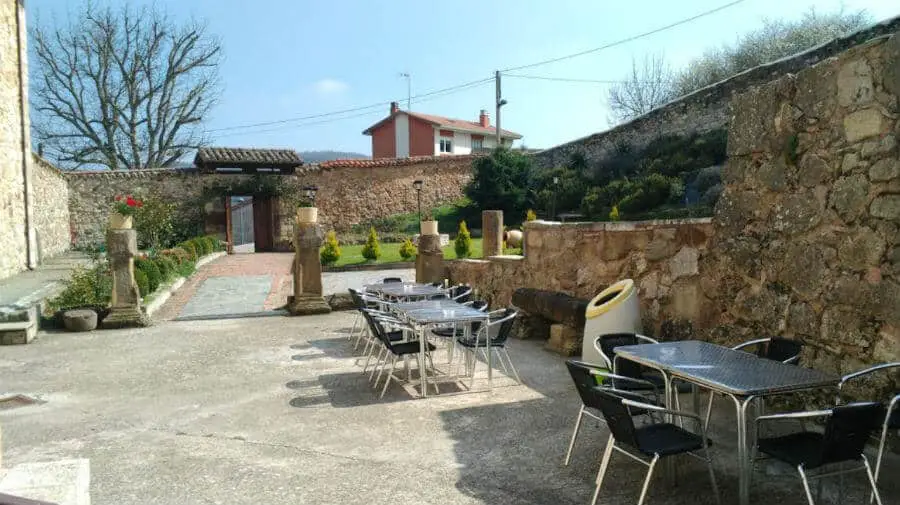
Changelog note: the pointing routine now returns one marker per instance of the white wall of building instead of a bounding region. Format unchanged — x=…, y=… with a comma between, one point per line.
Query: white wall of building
x=462, y=143
x=401, y=135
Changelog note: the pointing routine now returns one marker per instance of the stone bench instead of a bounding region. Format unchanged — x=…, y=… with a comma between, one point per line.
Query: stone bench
x=19, y=323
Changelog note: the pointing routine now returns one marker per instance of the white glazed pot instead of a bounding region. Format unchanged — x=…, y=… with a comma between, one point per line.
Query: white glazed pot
x=429, y=227
x=120, y=222
x=307, y=214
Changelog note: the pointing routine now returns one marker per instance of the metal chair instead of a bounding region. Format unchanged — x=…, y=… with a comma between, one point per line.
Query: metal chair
x=653, y=441
x=606, y=346
x=586, y=377
x=492, y=337
x=892, y=414
x=846, y=431
x=454, y=330
x=776, y=349
x=460, y=293
x=395, y=348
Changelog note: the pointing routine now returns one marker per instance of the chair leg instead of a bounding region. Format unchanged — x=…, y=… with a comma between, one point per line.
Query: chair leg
x=387, y=381
x=500, y=359
x=712, y=475
x=708, y=410
x=809, y=496
x=355, y=323
x=647, y=479
x=513, y=367
x=884, y=433
x=872, y=480
x=604, y=464
x=574, y=435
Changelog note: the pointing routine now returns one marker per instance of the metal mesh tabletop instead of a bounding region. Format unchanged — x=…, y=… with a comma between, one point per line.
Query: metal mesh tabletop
x=404, y=289
x=726, y=370
x=439, y=311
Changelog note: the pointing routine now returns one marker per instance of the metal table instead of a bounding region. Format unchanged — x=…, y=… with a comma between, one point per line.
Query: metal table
x=741, y=376
x=445, y=311
x=405, y=290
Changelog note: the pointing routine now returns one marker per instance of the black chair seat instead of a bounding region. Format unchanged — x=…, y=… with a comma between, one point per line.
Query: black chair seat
x=478, y=343
x=795, y=449
x=448, y=332
x=409, y=348
x=666, y=439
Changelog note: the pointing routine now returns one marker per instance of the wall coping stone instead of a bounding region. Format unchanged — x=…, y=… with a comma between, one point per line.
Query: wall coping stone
x=506, y=258
x=615, y=226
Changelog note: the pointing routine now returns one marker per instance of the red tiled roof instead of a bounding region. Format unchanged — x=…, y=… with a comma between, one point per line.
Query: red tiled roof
x=448, y=123
x=391, y=162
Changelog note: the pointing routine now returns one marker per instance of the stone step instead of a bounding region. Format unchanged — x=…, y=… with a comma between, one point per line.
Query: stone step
x=19, y=323
x=62, y=482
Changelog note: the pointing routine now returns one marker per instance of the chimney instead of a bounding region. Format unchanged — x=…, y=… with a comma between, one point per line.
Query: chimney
x=394, y=108
x=484, y=119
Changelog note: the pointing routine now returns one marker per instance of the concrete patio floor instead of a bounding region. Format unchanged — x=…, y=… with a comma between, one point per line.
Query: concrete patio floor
x=274, y=410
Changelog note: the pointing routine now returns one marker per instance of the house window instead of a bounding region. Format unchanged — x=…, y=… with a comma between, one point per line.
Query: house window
x=477, y=143
x=446, y=146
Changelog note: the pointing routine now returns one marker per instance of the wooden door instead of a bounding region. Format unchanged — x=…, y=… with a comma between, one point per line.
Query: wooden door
x=264, y=224
x=229, y=234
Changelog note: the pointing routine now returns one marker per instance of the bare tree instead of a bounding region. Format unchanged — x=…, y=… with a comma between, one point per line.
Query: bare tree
x=123, y=89
x=648, y=87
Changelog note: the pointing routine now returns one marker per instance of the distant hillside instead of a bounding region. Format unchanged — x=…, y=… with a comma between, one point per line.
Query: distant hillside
x=320, y=156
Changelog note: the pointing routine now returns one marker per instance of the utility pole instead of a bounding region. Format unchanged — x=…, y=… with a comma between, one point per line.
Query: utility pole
x=408, y=90
x=497, y=85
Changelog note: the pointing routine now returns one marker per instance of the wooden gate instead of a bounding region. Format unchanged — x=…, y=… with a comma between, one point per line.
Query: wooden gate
x=264, y=208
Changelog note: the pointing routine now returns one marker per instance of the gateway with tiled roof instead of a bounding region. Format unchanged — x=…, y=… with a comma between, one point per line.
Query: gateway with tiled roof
x=217, y=159
x=403, y=134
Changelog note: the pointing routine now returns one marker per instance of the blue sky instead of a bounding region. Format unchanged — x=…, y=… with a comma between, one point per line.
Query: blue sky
x=293, y=58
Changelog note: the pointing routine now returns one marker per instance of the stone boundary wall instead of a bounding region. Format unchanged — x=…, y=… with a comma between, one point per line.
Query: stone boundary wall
x=350, y=191
x=51, y=209
x=807, y=240
x=581, y=259
x=703, y=110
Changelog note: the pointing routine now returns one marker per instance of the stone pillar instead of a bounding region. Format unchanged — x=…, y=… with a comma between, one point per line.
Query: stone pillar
x=492, y=232
x=307, y=298
x=430, y=260
x=125, y=310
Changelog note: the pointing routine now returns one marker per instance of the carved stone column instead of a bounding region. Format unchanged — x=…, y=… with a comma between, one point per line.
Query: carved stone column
x=430, y=260
x=307, y=298
x=125, y=310
x=492, y=232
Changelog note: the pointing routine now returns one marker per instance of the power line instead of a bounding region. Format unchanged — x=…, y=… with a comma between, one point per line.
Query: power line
x=424, y=98
x=628, y=39
x=354, y=109
x=570, y=79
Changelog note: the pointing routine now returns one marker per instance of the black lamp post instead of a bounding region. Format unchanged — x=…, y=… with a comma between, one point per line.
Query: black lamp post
x=553, y=207
x=418, y=183
x=311, y=194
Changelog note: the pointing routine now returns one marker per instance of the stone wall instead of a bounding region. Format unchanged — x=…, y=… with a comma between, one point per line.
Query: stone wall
x=13, y=132
x=703, y=110
x=581, y=259
x=807, y=240
x=51, y=209
x=350, y=191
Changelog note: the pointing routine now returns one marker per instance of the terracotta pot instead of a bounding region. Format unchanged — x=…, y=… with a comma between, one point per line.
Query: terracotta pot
x=429, y=227
x=119, y=222
x=307, y=214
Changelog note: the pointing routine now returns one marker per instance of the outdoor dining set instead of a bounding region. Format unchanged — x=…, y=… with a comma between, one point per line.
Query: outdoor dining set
x=407, y=321
x=637, y=391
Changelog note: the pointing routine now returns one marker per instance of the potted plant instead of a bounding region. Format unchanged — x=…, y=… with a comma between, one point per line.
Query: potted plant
x=307, y=212
x=428, y=226
x=124, y=209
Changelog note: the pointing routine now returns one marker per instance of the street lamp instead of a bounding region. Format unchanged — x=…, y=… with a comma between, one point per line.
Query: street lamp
x=555, y=188
x=418, y=183
x=310, y=192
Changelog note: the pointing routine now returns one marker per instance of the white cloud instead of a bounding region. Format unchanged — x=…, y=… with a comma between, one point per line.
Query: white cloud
x=330, y=86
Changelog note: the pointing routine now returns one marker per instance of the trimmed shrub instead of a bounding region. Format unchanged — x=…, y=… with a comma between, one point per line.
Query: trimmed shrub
x=186, y=269
x=217, y=245
x=154, y=276
x=614, y=213
x=408, y=250
x=191, y=248
x=166, y=266
x=142, y=282
x=530, y=215
x=87, y=286
x=372, y=250
x=331, y=251
x=463, y=243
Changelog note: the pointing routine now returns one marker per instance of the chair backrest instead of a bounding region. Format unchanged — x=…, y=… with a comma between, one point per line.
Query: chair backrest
x=781, y=349
x=388, y=280
x=461, y=293
x=607, y=344
x=618, y=417
x=500, y=327
x=377, y=328
x=584, y=383
x=848, y=430
x=480, y=305
x=357, y=298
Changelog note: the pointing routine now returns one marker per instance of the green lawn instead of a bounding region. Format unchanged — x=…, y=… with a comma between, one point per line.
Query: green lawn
x=390, y=253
